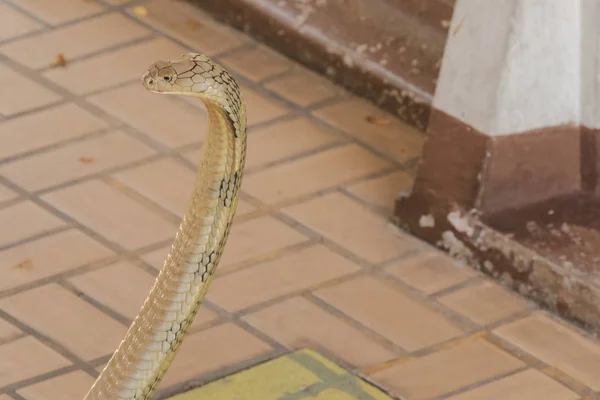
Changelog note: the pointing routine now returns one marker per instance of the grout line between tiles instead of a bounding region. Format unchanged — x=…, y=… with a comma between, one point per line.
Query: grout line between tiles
x=480, y=383
x=18, y=156
x=105, y=50
x=13, y=387
x=16, y=396
x=62, y=350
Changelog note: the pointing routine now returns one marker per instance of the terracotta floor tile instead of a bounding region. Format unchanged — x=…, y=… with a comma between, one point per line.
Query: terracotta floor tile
x=156, y=258
x=7, y=194
x=447, y=370
x=26, y=219
x=258, y=238
x=5, y=397
x=121, y=287
x=355, y=298
x=176, y=124
x=193, y=155
x=26, y=358
x=304, y=88
x=261, y=108
x=204, y=316
x=211, y=349
x=132, y=61
x=557, y=346
x=155, y=181
x=71, y=386
x=45, y=128
x=25, y=93
x=76, y=160
x=80, y=39
x=288, y=274
x=365, y=234
x=256, y=64
x=397, y=139
x=48, y=256
x=526, y=385
x=67, y=319
x=382, y=191
x=312, y=173
x=484, y=303
x=61, y=11
x=112, y=214
x=298, y=323
x=430, y=272
x=285, y=139
x=199, y=32
x=8, y=331
x=244, y=208
x=14, y=23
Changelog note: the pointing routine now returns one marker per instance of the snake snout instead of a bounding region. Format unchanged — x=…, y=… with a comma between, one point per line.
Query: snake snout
x=149, y=80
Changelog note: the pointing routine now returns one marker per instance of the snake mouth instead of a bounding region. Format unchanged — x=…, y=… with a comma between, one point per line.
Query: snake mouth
x=151, y=83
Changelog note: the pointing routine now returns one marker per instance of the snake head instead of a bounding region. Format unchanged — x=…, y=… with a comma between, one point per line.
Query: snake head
x=184, y=75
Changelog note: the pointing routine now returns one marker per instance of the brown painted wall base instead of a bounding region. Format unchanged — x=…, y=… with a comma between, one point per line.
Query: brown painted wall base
x=388, y=51
x=521, y=208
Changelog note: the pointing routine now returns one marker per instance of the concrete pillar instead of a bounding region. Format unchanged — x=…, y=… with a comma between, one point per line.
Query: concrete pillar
x=510, y=168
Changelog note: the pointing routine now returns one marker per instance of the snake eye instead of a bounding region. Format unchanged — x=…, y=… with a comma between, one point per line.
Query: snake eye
x=167, y=78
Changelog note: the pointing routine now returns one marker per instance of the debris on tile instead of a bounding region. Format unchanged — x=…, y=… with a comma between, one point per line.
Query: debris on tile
x=86, y=160
x=348, y=60
x=427, y=221
x=140, y=10
x=378, y=120
x=25, y=264
x=192, y=24
x=361, y=48
x=59, y=61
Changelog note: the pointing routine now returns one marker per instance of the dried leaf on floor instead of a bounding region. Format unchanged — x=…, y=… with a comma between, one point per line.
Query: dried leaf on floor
x=378, y=120
x=25, y=264
x=192, y=24
x=60, y=61
x=86, y=160
x=140, y=10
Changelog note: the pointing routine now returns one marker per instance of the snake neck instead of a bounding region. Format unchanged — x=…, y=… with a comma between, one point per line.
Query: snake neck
x=141, y=360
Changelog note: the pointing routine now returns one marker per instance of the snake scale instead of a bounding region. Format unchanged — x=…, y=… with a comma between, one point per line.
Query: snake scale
x=153, y=339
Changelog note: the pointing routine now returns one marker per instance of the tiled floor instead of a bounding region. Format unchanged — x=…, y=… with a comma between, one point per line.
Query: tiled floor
x=95, y=172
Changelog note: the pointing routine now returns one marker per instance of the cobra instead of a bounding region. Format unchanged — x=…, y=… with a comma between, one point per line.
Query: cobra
x=141, y=360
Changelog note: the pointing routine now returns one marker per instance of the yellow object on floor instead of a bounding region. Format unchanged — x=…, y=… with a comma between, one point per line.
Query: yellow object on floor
x=304, y=375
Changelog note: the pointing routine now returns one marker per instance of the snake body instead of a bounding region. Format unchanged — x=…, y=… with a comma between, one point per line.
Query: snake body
x=153, y=339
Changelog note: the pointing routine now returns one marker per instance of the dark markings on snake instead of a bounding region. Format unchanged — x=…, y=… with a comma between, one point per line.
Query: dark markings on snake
x=228, y=189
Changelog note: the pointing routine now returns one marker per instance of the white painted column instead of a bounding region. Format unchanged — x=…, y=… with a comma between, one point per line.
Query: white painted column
x=590, y=63
x=515, y=65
